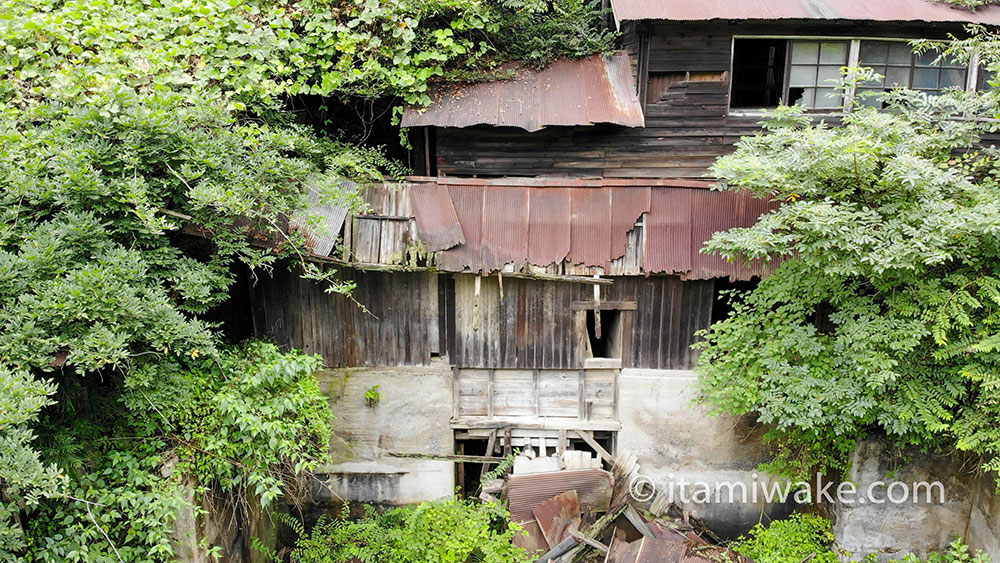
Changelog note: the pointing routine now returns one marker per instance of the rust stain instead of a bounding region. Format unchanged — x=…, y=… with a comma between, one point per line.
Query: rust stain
x=549, y=226
x=557, y=516
x=598, y=89
x=590, y=230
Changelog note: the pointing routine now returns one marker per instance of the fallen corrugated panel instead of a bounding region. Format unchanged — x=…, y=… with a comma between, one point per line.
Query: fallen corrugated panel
x=321, y=237
x=714, y=211
x=648, y=550
x=548, y=226
x=627, y=205
x=860, y=10
x=668, y=232
x=525, y=492
x=557, y=515
x=468, y=203
x=437, y=223
x=598, y=89
x=532, y=540
x=590, y=230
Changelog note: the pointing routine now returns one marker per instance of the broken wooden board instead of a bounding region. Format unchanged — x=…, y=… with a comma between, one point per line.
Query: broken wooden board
x=557, y=516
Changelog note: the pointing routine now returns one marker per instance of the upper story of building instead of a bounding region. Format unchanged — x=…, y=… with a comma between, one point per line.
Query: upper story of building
x=691, y=79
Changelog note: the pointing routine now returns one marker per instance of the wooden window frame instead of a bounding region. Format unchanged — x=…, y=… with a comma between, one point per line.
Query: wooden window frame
x=853, y=57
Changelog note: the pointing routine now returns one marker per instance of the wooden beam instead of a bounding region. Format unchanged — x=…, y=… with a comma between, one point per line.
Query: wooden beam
x=528, y=423
x=589, y=439
x=446, y=457
x=490, y=444
x=638, y=522
x=591, y=542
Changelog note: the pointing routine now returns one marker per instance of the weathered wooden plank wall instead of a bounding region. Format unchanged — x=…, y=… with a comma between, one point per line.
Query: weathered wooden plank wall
x=533, y=324
x=686, y=130
x=413, y=317
x=400, y=327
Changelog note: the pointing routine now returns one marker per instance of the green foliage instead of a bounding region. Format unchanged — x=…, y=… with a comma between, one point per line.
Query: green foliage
x=372, y=396
x=252, y=52
x=442, y=531
x=884, y=314
x=246, y=424
x=790, y=541
x=957, y=552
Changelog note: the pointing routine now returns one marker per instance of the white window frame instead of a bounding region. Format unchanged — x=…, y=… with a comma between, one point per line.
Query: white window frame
x=853, y=57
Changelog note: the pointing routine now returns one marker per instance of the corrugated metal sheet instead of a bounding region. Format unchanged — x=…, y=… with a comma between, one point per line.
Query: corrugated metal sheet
x=714, y=211
x=549, y=226
x=525, y=492
x=557, y=515
x=590, y=227
x=506, y=222
x=860, y=10
x=505, y=227
x=598, y=89
x=321, y=238
x=437, y=223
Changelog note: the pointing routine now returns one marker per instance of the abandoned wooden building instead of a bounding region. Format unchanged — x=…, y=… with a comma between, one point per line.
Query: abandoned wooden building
x=540, y=284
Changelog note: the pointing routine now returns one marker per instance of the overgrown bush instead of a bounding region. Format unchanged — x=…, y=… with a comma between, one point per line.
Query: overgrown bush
x=441, y=531
x=791, y=540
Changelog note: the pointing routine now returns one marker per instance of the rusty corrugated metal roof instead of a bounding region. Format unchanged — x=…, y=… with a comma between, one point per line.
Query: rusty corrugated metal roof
x=714, y=211
x=437, y=223
x=598, y=89
x=557, y=515
x=590, y=227
x=859, y=10
x=549, y=226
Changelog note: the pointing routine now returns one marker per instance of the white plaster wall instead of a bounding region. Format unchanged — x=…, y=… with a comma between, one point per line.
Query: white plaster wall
x=412, y=416
x=674, y=440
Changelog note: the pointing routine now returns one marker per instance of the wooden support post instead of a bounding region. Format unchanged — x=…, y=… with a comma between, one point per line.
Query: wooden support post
x=475, y=305
x=597, y=309
x=582, y=407
x=561, y=446
x=456, y=393
x=589, y=439
x=538, y=400
x=507, y=447
x=490, y=444
x=489, y=395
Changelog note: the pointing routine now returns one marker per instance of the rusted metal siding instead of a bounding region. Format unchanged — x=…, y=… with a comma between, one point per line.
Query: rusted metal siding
x=599, y=89
x=508, y=224
x=858, y=10
x=437, y=223
x=549, y=226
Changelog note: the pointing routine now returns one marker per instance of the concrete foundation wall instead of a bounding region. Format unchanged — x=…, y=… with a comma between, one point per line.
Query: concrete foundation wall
x=412, y=416
x=984, y=521
x=677, y=442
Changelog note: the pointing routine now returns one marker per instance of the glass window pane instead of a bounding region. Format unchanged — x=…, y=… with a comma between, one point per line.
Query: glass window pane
x=805, y=52
x=984, y=79
x=833, y=53
x=806, y=98
x=828, y=73
x=897, y=76
x=801, y=75
x=876, y=83
x=900, y=53
x=873, y=52
x=866, y=98
x=951, y=77
x=925, y=78
x=827, y=98
x=927, y=58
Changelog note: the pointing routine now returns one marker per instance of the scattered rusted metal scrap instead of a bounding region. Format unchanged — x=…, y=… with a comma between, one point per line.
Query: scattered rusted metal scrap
x=588, y=515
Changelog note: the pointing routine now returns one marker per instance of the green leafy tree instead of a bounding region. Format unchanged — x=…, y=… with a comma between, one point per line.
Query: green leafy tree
x=883, y=315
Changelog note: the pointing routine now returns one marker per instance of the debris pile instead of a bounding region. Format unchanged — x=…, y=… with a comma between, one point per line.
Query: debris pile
x=573, y=510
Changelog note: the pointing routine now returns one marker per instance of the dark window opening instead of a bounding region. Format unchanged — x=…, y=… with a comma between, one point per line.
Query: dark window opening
x=725, y=291
x=758, y=73
x=604, y=333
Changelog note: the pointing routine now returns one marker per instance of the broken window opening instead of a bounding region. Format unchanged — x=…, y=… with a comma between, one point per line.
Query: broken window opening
x=758, y=73
x=604, y=333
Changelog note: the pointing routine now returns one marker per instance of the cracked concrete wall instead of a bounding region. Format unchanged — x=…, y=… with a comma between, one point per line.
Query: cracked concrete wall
x=412, y=416
x=675, y=441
